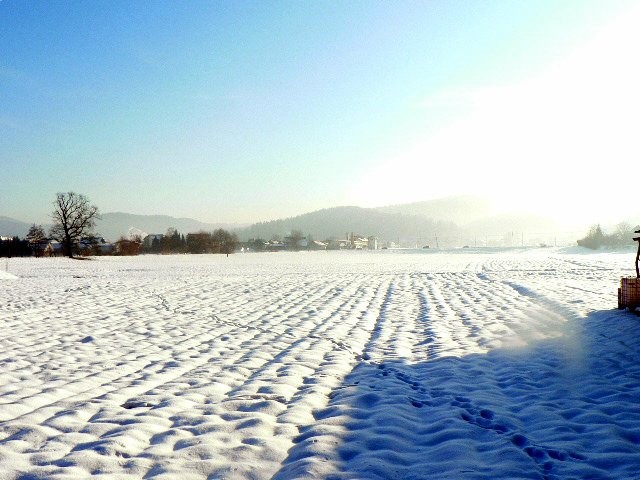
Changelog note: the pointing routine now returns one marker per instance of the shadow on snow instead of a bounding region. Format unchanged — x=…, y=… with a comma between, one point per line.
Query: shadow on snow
x=562, y=408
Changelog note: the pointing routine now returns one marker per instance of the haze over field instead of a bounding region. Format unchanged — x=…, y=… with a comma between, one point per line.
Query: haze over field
x=236, y=112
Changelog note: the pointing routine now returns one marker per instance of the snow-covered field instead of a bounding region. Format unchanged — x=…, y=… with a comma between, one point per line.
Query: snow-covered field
x=370, y=365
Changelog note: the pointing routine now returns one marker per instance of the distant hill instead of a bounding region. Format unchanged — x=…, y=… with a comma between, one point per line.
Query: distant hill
x=115, y=224
x=10, y=227
x=339, y=221
x=453, y=221
x=459, y=210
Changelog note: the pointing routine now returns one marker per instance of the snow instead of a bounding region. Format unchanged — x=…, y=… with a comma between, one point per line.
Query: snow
x=4, y=275
x=379, y=365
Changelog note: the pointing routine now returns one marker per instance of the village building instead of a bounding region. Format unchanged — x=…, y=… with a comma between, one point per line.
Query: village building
x=94, y=246
x=317, y=245
x=147, y=242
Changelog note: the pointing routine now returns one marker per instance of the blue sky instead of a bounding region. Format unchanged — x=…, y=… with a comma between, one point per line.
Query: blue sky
x=247, y=111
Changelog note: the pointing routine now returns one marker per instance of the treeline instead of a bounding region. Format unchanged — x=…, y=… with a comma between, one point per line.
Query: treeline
x=597, y=238
x=218, y=241
x=15, y=247
x=72, y=234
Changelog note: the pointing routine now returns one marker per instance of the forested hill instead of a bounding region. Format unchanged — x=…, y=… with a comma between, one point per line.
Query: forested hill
x=338, y=221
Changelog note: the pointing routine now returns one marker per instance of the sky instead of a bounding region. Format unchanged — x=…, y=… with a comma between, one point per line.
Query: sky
x=249, y=111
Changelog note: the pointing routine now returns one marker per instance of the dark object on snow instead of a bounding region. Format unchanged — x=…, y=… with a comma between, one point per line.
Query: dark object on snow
x=629, y=291
x=136, y=404
x=637, y=239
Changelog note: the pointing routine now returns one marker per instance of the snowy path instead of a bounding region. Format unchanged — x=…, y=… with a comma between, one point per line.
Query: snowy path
x=342, y=365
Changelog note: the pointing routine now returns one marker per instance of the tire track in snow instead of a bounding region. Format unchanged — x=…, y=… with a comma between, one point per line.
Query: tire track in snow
x=260, y=395
x=86, y=383
x=243, y=347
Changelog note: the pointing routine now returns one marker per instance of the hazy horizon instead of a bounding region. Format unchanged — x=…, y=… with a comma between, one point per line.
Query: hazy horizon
x=465, y=211
x=244, y=112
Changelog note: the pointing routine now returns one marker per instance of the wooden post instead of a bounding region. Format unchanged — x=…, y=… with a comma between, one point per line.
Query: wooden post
x=637, y=239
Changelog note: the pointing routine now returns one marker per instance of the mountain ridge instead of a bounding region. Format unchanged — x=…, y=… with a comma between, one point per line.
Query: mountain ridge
x=113, y=225
x=10, y=227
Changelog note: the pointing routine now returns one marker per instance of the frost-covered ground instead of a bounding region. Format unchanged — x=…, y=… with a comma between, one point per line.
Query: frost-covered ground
x=408, y=365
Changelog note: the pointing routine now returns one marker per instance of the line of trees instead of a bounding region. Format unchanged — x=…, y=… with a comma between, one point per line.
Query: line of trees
x=596, y=237
x=33, y=244
x=15, y=247
x=74, y=218
x=218, y=241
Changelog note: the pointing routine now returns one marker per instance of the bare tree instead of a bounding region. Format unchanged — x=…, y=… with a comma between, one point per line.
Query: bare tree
x=226, y=242
x=35, y=234
x=36, y=237
x=623, y=234
x=294, y=239
x=73, y=217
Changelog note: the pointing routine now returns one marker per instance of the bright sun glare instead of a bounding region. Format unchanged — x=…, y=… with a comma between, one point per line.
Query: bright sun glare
x=555, y=144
